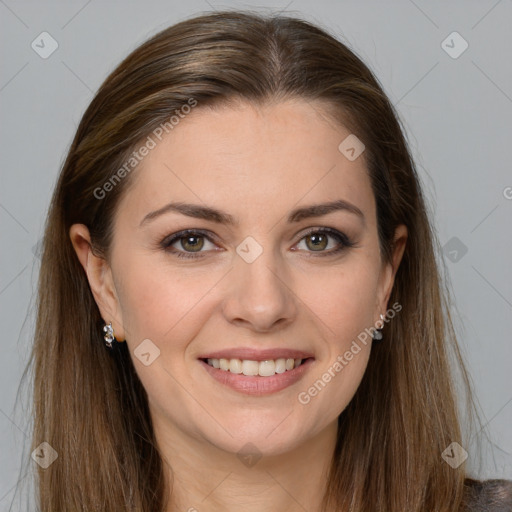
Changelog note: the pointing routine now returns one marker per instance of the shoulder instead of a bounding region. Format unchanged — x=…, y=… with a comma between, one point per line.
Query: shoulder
x=487, y=495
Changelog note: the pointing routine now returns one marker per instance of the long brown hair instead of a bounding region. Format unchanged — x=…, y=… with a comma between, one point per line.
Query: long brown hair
x=89, y=404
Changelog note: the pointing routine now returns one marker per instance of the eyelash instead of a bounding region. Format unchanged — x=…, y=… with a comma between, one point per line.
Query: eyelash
x=167, y=242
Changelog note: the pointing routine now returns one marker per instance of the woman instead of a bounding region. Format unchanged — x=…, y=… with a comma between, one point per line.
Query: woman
x=239, y=303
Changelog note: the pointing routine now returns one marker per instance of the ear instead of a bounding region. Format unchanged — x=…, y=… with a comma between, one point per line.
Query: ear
x=389, y=270
x=100, y=279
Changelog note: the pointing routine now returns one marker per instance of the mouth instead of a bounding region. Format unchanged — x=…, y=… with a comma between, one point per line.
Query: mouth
x=257, y=377
x=253, y=368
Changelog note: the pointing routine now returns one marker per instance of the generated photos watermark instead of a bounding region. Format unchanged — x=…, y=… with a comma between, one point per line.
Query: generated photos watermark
x=342, y=360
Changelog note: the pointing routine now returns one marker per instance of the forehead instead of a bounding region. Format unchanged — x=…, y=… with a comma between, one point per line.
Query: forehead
x=251, y=160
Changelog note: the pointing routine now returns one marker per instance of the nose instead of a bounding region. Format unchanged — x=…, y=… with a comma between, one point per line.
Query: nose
x=260, y=295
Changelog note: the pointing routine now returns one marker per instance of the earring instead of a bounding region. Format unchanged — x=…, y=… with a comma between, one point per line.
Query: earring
x=109, y=336
x=377, y=334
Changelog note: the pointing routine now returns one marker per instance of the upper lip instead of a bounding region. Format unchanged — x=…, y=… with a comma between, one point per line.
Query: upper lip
x=252, y=354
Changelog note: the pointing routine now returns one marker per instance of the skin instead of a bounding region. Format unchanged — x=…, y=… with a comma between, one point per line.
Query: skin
x=257, y=164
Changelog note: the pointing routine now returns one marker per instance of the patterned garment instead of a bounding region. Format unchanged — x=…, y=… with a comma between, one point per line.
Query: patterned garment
x=488, y=496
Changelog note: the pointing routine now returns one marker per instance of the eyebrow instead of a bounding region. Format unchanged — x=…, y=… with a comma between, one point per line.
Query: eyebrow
x=220, y=217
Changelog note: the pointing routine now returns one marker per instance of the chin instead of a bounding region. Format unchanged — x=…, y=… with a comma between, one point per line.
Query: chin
x=264, y=438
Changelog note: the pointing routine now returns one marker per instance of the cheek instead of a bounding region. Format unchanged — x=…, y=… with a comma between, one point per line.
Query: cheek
x=159, y=303
x=343, y=299
x=342, y=304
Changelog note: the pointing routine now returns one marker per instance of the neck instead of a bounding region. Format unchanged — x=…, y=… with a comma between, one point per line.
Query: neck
x=205, y=478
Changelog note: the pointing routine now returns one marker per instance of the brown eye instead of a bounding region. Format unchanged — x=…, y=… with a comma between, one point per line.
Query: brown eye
x=318, y=241
x=187, y=244
x=192, y=243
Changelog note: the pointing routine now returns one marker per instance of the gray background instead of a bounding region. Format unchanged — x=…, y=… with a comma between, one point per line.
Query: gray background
x=457, y=116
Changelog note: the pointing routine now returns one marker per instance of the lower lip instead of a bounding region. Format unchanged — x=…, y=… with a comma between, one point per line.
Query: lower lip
x=257, y=385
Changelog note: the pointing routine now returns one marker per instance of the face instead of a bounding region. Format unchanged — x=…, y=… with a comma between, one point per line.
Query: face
x=258, y=277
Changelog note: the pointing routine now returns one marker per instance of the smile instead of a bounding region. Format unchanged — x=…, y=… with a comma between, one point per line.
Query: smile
x=257, y=378
x=249, y=367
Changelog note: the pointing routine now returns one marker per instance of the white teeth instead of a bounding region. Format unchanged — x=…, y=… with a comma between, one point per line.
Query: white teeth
x=266, y=368
x=235, y=366
x=280, y=365
x=262, y=368
x=250, y=367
